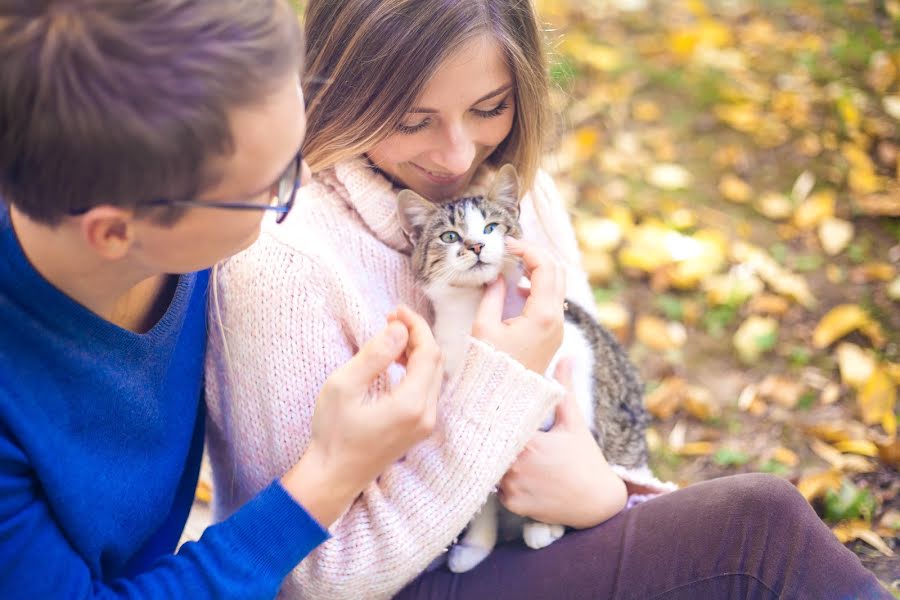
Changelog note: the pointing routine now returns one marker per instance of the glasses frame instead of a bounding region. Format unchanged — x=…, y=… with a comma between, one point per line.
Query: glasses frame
x=281, y=209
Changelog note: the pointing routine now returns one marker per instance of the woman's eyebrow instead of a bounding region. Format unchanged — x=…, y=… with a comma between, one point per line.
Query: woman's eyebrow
x=488, y=96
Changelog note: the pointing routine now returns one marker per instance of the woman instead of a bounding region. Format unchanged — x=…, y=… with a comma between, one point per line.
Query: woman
x=426, y=94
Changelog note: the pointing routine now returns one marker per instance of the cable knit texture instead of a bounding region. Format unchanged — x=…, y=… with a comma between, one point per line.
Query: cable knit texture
x=297, y=305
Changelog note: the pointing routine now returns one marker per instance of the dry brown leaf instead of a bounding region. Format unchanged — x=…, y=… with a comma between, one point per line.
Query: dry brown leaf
x=700, y=403
x=778, y=278
x=615, y=317
x=768, y=304
x=599, y=266
x=735, y=189
x=889, y=453
x=873, y=271
x=657, y=334
x=666, y=398
x=783, y=390
x=879, y=205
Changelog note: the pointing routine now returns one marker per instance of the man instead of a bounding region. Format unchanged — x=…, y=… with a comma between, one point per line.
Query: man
x=141, y=138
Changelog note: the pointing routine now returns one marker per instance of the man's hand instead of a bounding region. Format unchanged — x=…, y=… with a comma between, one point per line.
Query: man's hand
x=355, y=437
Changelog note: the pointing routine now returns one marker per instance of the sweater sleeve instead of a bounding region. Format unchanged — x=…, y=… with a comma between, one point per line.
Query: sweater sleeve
x=246, y=556
x=545, y=220
x=261, y=412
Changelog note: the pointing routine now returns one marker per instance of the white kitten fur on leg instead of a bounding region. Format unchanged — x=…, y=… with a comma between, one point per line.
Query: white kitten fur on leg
x=478, y=541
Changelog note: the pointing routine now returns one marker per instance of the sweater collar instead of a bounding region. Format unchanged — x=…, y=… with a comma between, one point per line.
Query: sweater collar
x=372, y=196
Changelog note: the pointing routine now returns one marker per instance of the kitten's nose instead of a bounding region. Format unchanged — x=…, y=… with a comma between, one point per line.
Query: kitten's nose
x=476, y=248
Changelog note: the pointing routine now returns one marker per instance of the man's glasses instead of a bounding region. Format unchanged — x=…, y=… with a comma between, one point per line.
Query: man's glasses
x=281, y=196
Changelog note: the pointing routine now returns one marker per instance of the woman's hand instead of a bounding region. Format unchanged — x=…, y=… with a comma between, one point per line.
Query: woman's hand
x=533, y=337
x=356, y=437
x=561, y=476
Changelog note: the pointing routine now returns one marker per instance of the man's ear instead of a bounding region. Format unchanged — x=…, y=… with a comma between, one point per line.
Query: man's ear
x=413, y=211
x=108, y=230
x=505, y=189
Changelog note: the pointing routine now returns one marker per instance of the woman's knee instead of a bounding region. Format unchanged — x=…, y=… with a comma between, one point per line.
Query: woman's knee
x=761, y=497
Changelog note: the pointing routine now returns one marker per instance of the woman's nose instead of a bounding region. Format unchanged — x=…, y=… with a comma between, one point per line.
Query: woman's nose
x=457, y=156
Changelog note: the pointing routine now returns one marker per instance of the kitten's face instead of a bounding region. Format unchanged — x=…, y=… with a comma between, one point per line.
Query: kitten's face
x=461, y=242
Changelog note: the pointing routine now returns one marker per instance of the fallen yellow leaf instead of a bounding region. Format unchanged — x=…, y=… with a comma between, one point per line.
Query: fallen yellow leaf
x=666, y=398
x=877, y=398
x=861, y=447
x=838, y=322
x=815, y=209
x=815, y=485
x=786, y=456
x=860, y=530
x=735, y=189
x=696, y=449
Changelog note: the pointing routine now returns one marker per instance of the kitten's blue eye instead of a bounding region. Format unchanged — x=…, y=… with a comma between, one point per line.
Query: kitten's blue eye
x=448, y=237
x=490, y=227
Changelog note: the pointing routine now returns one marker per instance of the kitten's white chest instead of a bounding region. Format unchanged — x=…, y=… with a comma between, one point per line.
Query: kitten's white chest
x=454, y=310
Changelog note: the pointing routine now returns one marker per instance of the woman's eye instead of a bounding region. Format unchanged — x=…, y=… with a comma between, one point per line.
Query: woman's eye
x=448, y=237
x=490, y=227
x=494, y=112
x=410, y=129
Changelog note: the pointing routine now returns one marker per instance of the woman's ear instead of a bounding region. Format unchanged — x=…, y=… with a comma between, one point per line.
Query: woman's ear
x=413, y=211
x=505, y=189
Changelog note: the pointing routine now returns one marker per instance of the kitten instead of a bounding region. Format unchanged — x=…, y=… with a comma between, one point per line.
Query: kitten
x=458, y=247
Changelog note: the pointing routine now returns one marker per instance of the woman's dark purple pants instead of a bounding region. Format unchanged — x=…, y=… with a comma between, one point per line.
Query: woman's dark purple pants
x=746, y=536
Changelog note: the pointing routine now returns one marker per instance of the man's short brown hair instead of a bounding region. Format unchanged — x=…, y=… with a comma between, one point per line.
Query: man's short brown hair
x=121, y=101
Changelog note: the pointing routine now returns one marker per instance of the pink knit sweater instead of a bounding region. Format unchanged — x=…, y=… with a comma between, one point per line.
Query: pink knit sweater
x=298, y=304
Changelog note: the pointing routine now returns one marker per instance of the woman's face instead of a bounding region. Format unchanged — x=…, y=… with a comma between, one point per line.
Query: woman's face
x=465, y=111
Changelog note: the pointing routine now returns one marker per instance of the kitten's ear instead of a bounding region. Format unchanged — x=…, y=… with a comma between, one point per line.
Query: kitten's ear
x=505, y=189
x=413, y=211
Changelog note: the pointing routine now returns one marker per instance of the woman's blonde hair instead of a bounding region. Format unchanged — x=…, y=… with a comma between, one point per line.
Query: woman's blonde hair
x=368, y=61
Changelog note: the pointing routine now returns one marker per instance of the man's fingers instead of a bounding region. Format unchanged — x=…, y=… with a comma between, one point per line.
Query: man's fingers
x=374, y=357
x=424, y=363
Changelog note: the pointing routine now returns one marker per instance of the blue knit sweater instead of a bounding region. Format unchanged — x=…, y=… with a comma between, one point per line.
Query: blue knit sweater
x=101, y=434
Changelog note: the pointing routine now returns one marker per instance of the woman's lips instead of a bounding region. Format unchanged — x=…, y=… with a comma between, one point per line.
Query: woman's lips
x=438, y=179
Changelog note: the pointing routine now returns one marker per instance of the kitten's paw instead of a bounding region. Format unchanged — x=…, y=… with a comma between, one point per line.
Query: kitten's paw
x=541, y=535
x=465, y=558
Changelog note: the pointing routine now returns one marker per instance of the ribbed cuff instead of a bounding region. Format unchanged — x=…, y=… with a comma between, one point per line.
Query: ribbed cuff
x=275, y=532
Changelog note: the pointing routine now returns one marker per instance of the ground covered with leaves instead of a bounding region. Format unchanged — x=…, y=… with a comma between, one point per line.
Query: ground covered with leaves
x=733, y=170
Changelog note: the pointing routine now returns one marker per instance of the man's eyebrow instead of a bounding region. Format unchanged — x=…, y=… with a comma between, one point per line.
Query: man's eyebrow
x=488, y=96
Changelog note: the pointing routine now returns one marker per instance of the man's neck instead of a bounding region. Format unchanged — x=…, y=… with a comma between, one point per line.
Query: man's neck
x=116, y=291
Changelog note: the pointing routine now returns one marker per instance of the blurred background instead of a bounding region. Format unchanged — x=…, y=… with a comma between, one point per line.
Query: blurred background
x=732, y=168
x=732, y=171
